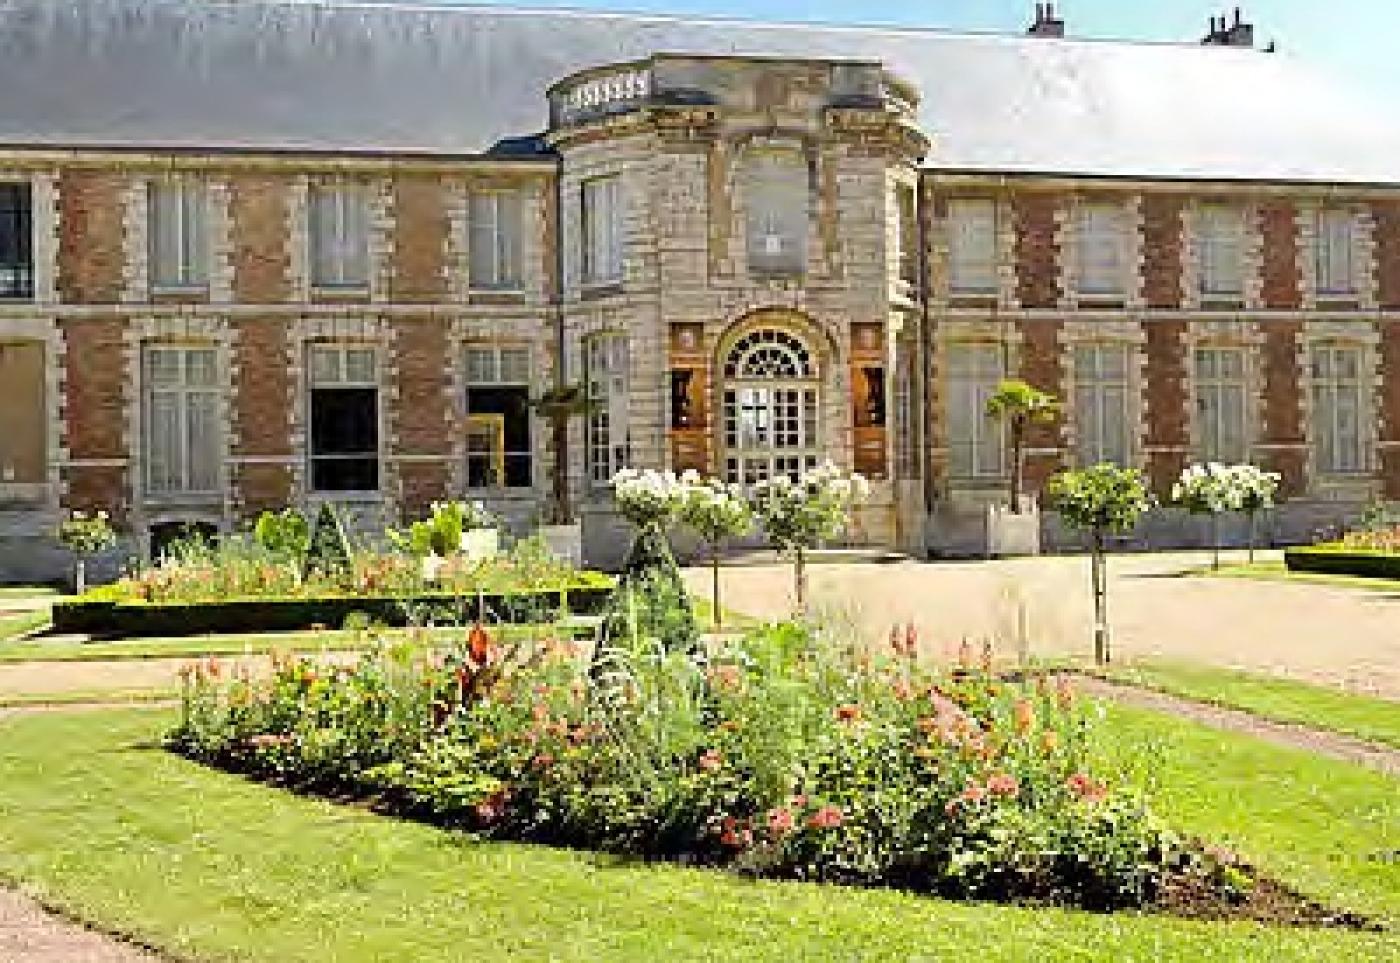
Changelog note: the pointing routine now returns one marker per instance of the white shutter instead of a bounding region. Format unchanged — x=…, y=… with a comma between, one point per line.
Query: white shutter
x=202, y=440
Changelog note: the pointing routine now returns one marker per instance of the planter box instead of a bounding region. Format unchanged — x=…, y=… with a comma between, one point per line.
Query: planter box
x=120, y=619
x=565, y=541
x=1010, y=534
x=480, y=544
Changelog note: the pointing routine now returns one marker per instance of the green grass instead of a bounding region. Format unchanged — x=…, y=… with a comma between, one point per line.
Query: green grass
x=28, y=591
x=78, y=697
x=21, y=624
x=1276, y=571
x=1329, y=828
x=1282, y=700
x=181, y=647
x=103, y=826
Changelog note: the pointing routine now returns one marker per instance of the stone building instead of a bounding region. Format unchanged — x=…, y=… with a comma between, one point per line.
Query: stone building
x=264, y=253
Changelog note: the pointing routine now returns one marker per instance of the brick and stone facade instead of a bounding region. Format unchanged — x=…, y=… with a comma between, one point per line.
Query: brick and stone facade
x=691, y=143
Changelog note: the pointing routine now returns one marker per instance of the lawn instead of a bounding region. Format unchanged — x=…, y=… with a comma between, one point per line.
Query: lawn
x=20, y=624
x=105, y=826
x=1282, y=700
x=1274, y=570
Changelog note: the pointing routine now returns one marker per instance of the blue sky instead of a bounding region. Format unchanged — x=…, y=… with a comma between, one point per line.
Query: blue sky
x=1355, y=38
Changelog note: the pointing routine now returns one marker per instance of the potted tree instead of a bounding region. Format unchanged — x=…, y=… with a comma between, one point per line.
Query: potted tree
x=1015, y=529
x=561, y=530
x=85, y=536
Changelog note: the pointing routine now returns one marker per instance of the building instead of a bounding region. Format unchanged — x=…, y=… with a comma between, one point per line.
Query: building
x=259, y=253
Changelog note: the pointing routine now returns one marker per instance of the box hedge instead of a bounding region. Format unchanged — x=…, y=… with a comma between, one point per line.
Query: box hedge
x=1338, y=559
x=98, y=613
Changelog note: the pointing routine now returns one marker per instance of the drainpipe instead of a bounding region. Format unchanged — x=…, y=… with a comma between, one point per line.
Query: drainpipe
x=925, y=359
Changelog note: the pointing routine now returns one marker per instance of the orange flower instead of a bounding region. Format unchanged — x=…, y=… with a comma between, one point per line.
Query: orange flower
x=1024, y=714
x=1064, y=692
x=1087, y=788
x=827, y=817
x=848, y=713
x=478, y=645
x=1003, y=784
x=1049, y=740
x=711, y=760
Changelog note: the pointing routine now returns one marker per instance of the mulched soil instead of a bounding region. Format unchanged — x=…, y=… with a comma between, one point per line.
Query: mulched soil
x=1269, y=902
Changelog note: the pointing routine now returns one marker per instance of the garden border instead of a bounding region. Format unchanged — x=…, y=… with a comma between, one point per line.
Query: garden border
x=1340, y=560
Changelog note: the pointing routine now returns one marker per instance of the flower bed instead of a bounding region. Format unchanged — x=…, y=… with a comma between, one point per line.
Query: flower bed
x=781, y=754
x=1341, y=558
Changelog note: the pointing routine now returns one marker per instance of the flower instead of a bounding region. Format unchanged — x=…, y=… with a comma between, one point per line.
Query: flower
x=1049, y=740
x=1087, y=788
x=848, y=713
x=1003, y=784
x=478, y=645
x=827, y=817
x=1024, y=715
x=780, y=822
x=711, y=760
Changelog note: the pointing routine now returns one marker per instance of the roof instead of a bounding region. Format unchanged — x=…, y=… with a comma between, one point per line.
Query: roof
x=455, y=80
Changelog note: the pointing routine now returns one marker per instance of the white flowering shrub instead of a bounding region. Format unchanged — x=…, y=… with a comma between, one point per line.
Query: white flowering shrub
x=1214, y=489
x=715, y=511
x=647, y=498
x=798, y=515
x=85, y=535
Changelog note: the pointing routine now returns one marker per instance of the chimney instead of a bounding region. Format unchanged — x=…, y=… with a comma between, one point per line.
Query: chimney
x=1223, y=33
x=1046, y=23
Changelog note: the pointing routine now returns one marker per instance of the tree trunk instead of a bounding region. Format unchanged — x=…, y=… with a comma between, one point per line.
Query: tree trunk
x=1215, y=541
x=80, y=576
x=1098, y=569
x=799, y=572
x=1250, y=537
x=714, y=587
x=1017, y=464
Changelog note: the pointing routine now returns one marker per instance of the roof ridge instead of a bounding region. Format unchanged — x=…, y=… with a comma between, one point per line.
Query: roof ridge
x=450, y=7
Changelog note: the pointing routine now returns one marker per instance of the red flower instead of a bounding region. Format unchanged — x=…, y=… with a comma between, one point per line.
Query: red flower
x=827, y=817
x=1003, y=784
x=800, y=801
x=848, y=713
x=710, y=760
x=479, y=645
x=543, y=761
x=973, y=793
x=780, y=822
x=1087, y=788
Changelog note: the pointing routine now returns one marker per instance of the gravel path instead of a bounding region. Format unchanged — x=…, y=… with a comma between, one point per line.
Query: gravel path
x=31, y=934
x=1339, y=636
x=1332, y=744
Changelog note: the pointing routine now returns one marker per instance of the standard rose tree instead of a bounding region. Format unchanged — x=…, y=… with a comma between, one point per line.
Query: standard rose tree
x=716, y=512
x=85, y=536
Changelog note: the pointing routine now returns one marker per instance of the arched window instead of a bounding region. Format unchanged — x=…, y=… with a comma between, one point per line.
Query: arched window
x=771, y=415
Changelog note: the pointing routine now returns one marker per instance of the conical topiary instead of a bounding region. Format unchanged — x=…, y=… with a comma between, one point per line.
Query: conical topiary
x=329, y=552
x=651, y=600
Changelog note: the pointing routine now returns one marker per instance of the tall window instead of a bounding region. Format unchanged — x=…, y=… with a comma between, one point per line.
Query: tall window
x=1339, y=409
x=908, y=424
x=1220, y=245
x=179, y=239
x=605, y=363
x=23, y=414
x=344, y=416
x=771, y=395
x=972, y=246
x=182, y=436
x=496, y=219
x=1222, y=425
x=339, y=235
x=1336, y=251
x=1100, y=232
x=975, y=442
x=16, y=242
x=498, y=417
x=602, y=230
x=1101, y=404
x=776, y=209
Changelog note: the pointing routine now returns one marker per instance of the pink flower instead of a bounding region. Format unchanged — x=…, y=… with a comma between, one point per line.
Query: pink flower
x=973, y=794
x=1087, y=788
x=711, y=759
x=1003, y=784
x=780, y=822
x=827, y=817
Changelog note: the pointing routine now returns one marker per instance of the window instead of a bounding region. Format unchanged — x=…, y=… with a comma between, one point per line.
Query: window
x=498, y=417
x=496, y=219
x=1340, y=405
x=976, y=446
x=770, y=408
x=906, y=406
x=1222, y=432
x=16, y=242
x=182, y=433
x=972, y=246
x=775, y=205
x=339, y=235
x=1336, y=251
x=602, y=230
x=907, y=213
x=1101, y=404
x=1220, y=243
x=605, y=362
x=23, y=414
x=1100, y=232
x=344, y=419
x=179, y=242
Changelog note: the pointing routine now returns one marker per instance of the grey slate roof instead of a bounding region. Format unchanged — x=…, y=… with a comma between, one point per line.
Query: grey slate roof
x=455, y=80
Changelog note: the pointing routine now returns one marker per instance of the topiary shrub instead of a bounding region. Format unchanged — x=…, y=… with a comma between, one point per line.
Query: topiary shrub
x=651, y=601
x=329, y=552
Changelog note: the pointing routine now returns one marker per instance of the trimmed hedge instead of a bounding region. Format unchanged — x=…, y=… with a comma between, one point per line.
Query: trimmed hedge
x=121, y=618
x=1340, y=560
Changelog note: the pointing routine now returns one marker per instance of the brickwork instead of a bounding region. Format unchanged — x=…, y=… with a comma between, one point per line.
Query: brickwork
x=1037, y=250
x=1285, y=445
x=1278, y=224
x=1040, y=366
x=1386, y=217
x=91, y=236
x=420, y=418
x=1390, y=410
x=260, y=256
x=1162, y=229
x=420, y=240
x=261, y=434
x=1167, y=402
x=94, y=416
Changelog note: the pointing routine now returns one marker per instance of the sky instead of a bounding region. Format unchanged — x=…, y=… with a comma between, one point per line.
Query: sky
x=1352, y=38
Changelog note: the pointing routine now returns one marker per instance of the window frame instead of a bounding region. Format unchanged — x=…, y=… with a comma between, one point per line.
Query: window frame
x=777, y=206
x=343, y=252
x=1096, y=390
x=607, y=387
x=1324, y=251
x=186, y=199
x=184, y=392
x=17, y=276
x=1324, y=431
x=505, y=273
x=498, y=379
x=600, y=230
x=1219, y=229
x=343, y=381
x=1100, y=228
x=1209, y=427
x=982, y=263
x=986, y=444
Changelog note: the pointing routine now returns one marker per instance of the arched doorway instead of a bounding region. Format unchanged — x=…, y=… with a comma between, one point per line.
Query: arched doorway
x=770, y=401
